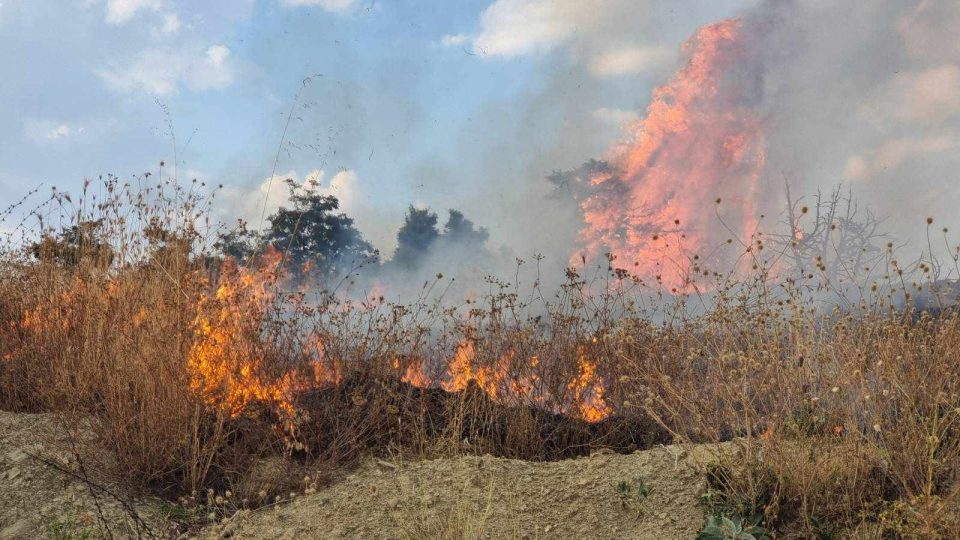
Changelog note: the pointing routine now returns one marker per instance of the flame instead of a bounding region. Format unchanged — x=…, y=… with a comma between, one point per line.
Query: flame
x=698, y=142
x=585, y=396
x=588, y=389
x=464, y=369
x=414, y=375
x=225, y=360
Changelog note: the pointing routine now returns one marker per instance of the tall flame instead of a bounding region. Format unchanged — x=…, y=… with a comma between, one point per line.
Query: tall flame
x=699, y=142
x=224, y=361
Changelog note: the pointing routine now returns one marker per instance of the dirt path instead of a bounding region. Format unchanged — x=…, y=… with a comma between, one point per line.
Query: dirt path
x=486, y=497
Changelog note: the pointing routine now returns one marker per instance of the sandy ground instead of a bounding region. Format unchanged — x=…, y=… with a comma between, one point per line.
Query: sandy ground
x=41, y=496
x=487, y=497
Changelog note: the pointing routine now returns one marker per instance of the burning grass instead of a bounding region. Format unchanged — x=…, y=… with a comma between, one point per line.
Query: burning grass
x=195, y=370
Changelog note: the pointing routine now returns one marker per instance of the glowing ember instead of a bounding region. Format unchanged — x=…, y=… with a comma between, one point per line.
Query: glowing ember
x=699, y=142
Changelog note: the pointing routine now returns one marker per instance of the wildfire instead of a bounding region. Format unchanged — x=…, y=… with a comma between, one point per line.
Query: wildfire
x=225, y=362
x=584, y=397
x=698, y=142
x=227, y=359
x=588, y=390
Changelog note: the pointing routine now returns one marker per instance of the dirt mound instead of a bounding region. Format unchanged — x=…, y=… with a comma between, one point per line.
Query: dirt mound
x=487, y=497
x=42, y=494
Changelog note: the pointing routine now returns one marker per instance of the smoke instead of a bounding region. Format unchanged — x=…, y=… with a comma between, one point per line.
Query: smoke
x=815, y=93
x=864, y=93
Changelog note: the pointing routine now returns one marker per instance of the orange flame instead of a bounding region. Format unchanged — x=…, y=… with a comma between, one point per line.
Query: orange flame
x=586, y=390
x=227, y=363
x=698, y=142
x=224, y=360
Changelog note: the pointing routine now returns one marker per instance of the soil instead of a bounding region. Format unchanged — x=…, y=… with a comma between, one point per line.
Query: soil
x=497, y=498
x=42, y=496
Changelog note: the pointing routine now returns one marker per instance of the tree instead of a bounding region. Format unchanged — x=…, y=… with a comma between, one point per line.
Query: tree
x=831, y=236
x=415, y=237
x=81, y=242
x=461, y=231
x=314, y=237
x=240, y=243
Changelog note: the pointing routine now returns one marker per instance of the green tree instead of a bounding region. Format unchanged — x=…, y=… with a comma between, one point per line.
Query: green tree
x=415, y=237
x=315, y=237
x=461, y=231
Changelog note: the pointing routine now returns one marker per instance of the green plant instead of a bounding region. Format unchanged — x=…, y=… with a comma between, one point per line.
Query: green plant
x=67, y=530
x=720, y=527
x=632, y=494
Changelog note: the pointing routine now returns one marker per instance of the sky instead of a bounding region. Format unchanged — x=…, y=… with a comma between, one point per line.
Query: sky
x=466, y=104
x=407, y=101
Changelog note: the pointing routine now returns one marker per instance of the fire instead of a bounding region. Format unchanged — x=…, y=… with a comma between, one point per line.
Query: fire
x=699, y=142
x=225, y=360
x=464, y=369
x=585, y=392
x=228, y=367
x=588, y=389
x=415, y=376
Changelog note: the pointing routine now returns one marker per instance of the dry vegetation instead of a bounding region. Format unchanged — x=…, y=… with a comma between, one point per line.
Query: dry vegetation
x=196, y=371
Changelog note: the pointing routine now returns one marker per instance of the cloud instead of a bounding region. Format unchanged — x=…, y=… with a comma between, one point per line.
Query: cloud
x=511, y=28
x=171, y=24
x=121, y=11
x=454, y=40
x=335, y=6
x=265, y=198
x=165, y=71
x=894, y=153
x=629, y=61
x=611, y=37
x=250, y=203
x=930, y=96
x=45, y=131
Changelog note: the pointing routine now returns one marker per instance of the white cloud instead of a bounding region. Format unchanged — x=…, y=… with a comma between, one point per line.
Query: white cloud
x=59, y=132
x=45, y=131
x=454, y=40
x=164, y=71
x=929, y=96
x=602, y=34
x=336, y=6
x=171, y=24
x=264, y=199
x=894, y=153
x=511, y=28
x=247, y=203
x=628, y=61
x=121, y=11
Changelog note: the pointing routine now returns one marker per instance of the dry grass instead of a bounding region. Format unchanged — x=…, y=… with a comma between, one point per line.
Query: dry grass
x=463, y=518
x=194, y=370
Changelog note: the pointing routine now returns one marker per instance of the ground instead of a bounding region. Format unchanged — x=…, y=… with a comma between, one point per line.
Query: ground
x=481, y=497
x=42, y=494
